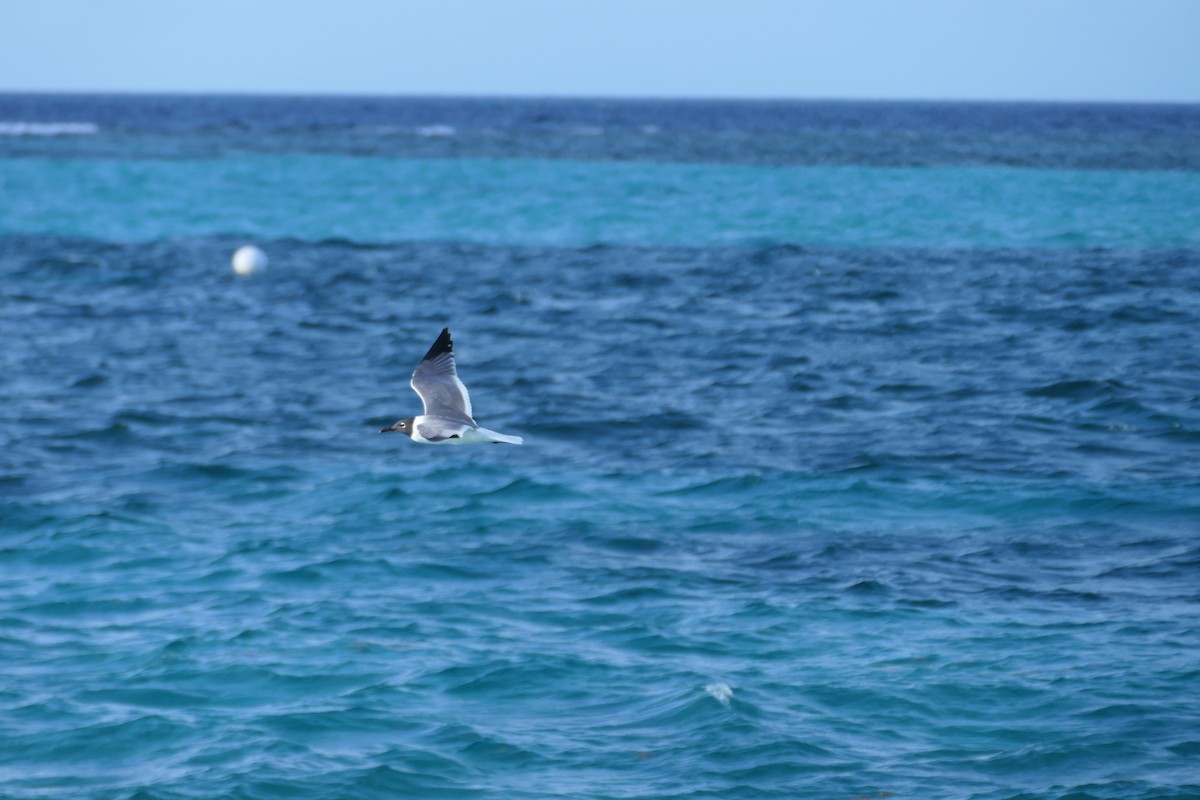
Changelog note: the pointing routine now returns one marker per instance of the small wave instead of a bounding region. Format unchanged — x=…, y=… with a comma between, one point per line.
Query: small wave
x=629, y=543
x=867, y=587
x=686, y=710
x=146, y=697
x=721, y=692
x=436, y=131
x=117, y=430
x=526, y=488
x=628, y=596
x=23, y=128
x=737, y=485
x=1076, y=389
x=482, y=749
x=90, y=381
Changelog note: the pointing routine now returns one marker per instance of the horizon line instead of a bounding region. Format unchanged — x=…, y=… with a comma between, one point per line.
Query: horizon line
x=533, y=96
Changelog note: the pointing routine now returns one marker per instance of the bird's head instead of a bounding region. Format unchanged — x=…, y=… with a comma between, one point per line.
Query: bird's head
x=405, y=426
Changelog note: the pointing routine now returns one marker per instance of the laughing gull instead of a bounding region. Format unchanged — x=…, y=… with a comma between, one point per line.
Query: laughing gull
x=447, y=418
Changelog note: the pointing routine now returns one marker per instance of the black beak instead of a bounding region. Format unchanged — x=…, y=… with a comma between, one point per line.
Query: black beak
x=386, y=430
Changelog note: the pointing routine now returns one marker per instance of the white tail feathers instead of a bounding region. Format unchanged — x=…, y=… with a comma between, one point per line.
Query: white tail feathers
x=492, y=436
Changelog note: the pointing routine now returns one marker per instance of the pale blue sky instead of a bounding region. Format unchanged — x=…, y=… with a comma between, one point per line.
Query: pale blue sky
x=1147, y=50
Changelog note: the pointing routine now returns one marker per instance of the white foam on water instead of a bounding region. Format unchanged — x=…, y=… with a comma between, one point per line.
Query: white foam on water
x=24, y=128
x=721, y=692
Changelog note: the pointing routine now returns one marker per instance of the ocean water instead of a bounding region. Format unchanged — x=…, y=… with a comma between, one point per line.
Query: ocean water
x=862, y=450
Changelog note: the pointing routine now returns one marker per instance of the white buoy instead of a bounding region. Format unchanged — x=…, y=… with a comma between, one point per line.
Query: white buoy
x=249, y=260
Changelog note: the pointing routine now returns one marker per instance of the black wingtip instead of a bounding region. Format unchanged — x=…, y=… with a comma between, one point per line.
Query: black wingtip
x=443, y=345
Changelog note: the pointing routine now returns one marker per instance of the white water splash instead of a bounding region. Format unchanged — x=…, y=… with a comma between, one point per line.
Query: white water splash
x=720, y=692
x=21, y=128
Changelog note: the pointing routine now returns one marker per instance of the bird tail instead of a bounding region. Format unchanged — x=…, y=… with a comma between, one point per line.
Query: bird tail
x=500, y=438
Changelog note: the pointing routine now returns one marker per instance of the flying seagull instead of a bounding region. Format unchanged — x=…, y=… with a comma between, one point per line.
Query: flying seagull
x=447, y=418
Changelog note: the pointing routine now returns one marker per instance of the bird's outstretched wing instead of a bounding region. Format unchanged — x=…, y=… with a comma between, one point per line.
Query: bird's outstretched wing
x=436, y=381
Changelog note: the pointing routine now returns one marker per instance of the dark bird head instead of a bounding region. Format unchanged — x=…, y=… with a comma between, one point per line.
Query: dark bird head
x=405, y=426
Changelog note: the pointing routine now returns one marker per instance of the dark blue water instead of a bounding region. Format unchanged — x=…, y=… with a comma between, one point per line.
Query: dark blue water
x=861, y=460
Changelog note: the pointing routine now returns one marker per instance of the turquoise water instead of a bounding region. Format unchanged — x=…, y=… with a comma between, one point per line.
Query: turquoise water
x=570, y=203
x=861, y=448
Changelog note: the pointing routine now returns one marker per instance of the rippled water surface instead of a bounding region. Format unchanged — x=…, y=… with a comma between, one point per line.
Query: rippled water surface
x=861, y=450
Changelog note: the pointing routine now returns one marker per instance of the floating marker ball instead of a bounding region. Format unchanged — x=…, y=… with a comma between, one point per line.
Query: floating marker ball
x=249, y=260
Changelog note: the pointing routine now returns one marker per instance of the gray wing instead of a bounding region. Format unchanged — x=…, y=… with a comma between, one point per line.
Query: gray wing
x=436, y=381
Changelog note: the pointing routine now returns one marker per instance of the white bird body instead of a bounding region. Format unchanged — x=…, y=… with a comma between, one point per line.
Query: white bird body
x=447, y=418
x=460, y=433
